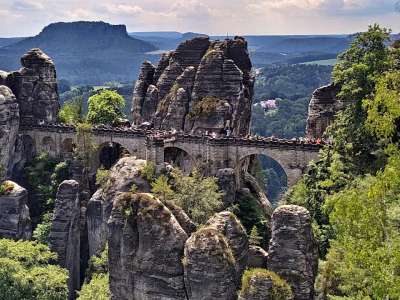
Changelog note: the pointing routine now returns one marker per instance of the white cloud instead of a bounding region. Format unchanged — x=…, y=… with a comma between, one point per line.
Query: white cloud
x=210, y=16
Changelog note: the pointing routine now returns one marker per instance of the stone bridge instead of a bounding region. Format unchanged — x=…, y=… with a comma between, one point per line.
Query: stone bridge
x=206, y=152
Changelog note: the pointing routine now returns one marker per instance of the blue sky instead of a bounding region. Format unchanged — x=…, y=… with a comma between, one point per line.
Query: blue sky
x=28, y=17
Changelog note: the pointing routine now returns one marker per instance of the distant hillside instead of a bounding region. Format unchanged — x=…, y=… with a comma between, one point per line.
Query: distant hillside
x=165, y=40
x=9, y=41
x=84, y=52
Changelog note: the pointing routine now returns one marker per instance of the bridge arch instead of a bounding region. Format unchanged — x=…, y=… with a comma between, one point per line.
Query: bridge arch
x=180, y=158
x=109, y=153
x=293, y=162
x=264, y=167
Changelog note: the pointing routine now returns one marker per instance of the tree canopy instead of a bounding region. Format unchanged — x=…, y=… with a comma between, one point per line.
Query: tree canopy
x=105, y=107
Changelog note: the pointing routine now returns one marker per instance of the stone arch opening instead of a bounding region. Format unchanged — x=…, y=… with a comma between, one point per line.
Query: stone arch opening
x=49, y=146
x=110, y=153
x=178, y=158
x=269, y=173
x=67, y=147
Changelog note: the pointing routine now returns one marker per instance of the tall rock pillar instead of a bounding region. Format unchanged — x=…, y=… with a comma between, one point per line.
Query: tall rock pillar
x=293, y=251
x=65, y=232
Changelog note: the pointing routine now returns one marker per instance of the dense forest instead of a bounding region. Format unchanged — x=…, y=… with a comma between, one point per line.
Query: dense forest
x=352, y=192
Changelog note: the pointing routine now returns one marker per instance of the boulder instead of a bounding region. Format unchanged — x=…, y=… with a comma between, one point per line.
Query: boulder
x=228, y=225
x=261, y=284
x=64, y=237
x=145, y=250
x=257, y=257
x=124, y=174
x=35, y=87
x=9, y=125
x=15, y=222
x=210, y=266
x=293, y=252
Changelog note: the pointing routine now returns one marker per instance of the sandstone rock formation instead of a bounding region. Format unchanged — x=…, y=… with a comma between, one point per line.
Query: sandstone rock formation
x=35, y=87
x=322, y=109
x=293, y=251
x=260, y=284
x=230, y=227
x=9, y=125
x=257, y=257
x=145, y=250
x=210, y=267
x=124, y=174
x=15, y=222
x=201, y=86
x=65, y=233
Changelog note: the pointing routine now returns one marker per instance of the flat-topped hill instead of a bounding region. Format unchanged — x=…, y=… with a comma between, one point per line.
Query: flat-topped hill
x=95, y=51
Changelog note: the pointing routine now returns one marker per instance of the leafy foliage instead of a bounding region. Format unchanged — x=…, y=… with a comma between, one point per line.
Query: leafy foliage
x=254, y=238
x=25, y=272
x=105, y=107
x=162, y=188
x=72, y=112
x=198, y=196
x=97, y=288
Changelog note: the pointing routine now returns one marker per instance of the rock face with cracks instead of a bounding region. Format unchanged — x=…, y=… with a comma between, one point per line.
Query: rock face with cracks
x=35, y=87
x=9, y=125
x=65, y=232
x=145, y=249
x=293, y=252
x=123, y=175
x=210, y=267
x=15, y=222
x=202, y=86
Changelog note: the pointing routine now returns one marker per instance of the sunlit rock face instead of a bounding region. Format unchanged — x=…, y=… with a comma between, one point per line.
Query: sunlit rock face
x=9, y=125
x=35, y=87
x=15, y=222
x=202, y=86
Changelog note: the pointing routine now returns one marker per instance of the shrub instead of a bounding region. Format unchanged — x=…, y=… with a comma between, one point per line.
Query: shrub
x=26, y=272
x=102, y=176
x=149, y=171
x=97, y=288
x=6, y=187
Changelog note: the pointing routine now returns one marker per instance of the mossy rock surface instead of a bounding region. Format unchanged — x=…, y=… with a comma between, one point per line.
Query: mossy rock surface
x=262, y=284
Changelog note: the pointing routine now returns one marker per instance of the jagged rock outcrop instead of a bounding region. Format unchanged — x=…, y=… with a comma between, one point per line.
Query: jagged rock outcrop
x=322, y=109
x=35, y=87
x=15, y=222
x=293, y=251
x=257, y=257
x=260, y=284
x=201, y=86
x=145, y=250
x=9, y=125
x=228, y=225
x=124, y=174
x=183, y=219
x=210, y=267
x=65, y=235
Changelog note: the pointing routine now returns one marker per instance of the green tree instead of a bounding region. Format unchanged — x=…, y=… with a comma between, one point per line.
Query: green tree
x=198, y=196
x=26, y=272
x=72, y=112
x=162, y=188
x=254, y=238
x=366, y=250
x=105, y=107
x=97, y=288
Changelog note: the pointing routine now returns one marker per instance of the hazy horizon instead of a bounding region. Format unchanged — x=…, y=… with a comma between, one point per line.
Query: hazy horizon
x=214, y=17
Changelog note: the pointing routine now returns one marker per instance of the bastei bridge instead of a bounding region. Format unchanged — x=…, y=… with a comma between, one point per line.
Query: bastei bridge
x=211, y=153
